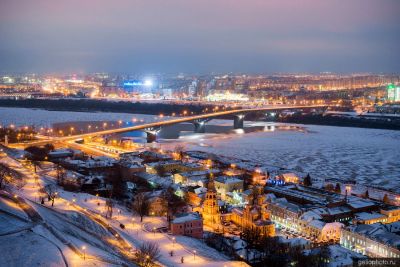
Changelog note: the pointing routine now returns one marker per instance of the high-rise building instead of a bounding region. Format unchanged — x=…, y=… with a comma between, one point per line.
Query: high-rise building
x=393, y=93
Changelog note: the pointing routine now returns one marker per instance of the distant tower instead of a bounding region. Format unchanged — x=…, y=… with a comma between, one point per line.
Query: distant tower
x=210, y=213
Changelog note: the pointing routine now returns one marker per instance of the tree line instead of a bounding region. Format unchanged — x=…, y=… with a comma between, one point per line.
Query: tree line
x=105, y=106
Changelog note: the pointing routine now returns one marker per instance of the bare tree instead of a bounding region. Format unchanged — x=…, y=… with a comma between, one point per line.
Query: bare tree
x=147, y=254
x=51, y=192
x=35, y=164
x=337, y=188
x=174, y=203
x=9, y=175
x=5, y=176
x=386, y=199
x=141, y=204
x=179, y=149
x=109, y=205
x=307, y=180
x=329, y=187
x=61, y=174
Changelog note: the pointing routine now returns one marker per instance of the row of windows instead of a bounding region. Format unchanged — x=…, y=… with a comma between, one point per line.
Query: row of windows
x=191, y=225
x=380, y=249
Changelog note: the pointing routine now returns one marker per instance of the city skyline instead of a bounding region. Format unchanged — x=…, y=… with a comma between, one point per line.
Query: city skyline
x=199, y=37
x=200, y=133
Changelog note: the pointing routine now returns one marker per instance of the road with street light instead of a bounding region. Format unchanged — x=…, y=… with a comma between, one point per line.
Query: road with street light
x=122, y=241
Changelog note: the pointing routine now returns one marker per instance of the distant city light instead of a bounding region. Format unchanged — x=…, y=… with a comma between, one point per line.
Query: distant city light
x=132, y=83
x=227, y=96
x=148, y=83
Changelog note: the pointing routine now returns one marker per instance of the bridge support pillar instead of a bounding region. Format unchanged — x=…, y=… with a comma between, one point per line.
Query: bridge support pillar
x=151, y=137
x=151, y=134
x=238, y=121
x=200, y=125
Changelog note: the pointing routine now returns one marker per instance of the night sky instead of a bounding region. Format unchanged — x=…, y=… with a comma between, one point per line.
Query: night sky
x=199, y=36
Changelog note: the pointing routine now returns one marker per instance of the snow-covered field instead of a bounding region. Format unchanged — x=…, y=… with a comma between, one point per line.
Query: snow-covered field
x=369, y=156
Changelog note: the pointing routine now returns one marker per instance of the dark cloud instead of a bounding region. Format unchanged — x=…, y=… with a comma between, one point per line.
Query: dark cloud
x=199, y=35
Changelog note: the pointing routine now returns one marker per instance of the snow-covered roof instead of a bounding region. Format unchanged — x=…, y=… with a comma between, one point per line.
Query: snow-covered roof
x=311, y=215
x=154, y=155
x=156, y=179
x=337, y=210
x=193, y=165
x=200, y=190
x=340, y=256
x=199, y=173
x=365, y=216
x=186, y=217
x=317, y=224
x=131, y=165
x=228, y=180
x=163, y=163
x=197, y=178
x=357, y=203
x=270, y=197
x=377, y=232
x=295, y=241
x=393, y=227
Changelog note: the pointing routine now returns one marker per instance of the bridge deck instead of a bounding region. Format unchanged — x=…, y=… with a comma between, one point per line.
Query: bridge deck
x=169, y=122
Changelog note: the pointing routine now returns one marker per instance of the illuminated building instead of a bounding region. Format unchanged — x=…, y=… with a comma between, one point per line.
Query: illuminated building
x=137, y=85
x=393, y=93
x=371, y=240
x=189, y=224
x=254, y=215
x=369, y=218
x=210, y=212
x=158, y=205
x=226, y=184
x=289, y=178
x=226, y=96
x=392, y=213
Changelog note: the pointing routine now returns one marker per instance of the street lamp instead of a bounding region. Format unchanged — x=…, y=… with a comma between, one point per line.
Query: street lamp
x=194, y=254
x=241, y=256
x=154, y=231
x=84, y=254
x=173, y=241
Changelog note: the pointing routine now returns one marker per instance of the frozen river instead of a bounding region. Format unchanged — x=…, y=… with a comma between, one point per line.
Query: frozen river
x=370, y=156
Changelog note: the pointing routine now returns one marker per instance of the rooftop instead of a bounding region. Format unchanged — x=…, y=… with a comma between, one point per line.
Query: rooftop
x=365, y=216
x=186, y=217
x=228, y=180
